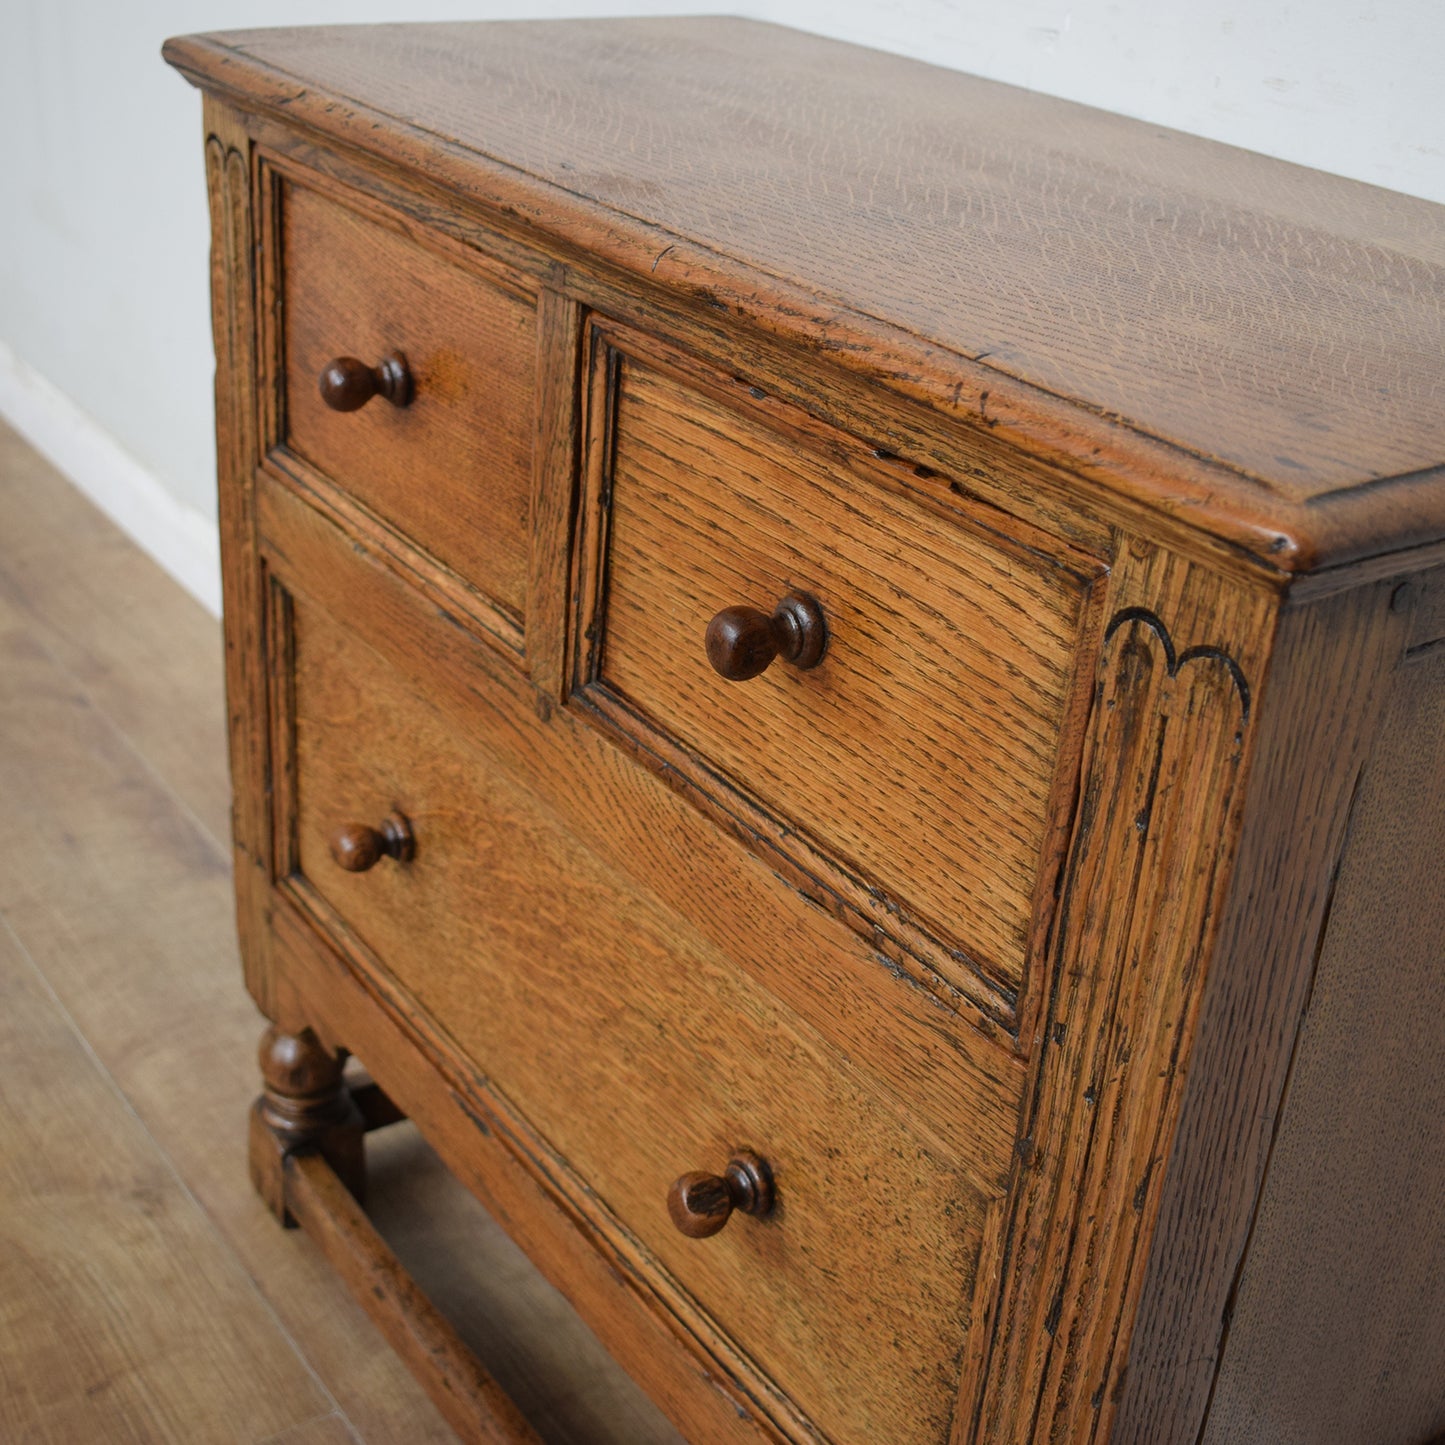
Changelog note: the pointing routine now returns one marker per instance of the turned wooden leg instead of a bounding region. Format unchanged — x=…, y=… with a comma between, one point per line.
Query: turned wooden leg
x=304, y=1108
x=308, y=1164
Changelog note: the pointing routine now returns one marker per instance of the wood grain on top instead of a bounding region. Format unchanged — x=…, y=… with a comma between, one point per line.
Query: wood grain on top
x=1280, y=329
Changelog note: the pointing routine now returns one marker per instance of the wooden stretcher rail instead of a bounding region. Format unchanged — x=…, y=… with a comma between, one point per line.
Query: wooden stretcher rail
x=474, y=1405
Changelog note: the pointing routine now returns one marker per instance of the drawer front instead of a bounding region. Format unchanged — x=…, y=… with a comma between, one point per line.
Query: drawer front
x=922, y=756
x=451, y=470
x=639, y=1054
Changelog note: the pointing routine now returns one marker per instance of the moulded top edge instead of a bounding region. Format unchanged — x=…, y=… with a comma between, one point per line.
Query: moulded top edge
x=1248, y=345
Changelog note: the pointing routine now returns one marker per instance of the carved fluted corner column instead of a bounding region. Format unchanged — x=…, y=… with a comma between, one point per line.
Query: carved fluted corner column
x=304, y=1108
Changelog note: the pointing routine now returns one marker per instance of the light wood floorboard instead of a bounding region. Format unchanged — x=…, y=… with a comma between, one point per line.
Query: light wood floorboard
x=124, y=1315
x=325, y=1430
x=115, y=893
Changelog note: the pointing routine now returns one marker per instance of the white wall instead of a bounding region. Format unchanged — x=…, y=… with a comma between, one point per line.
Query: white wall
x=104, y=321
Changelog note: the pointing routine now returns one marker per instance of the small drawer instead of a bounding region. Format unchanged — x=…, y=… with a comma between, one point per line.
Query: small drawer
x=640, y=1054
x=915, y=760
x=442, y=453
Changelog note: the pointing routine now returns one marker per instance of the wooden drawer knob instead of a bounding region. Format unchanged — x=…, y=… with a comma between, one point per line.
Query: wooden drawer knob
x=742, y=641
x=348, y=384
x=700, y=1204
x=357, y=847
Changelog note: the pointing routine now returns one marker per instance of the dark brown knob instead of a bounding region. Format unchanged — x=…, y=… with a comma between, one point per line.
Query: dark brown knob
x=742, y=641
x=700, y=1204
x=348, y=384
x=357, y=847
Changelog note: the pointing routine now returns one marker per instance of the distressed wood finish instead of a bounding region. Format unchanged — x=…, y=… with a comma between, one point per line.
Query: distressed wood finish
x=627, y=815
x=886, y=949
x=951, y=646
x=1096, y=286
x=1332, y=660
x=452, y=469
x=635, y=1050
x=238, y=450
x=1363, y=1263
x=1158, y=808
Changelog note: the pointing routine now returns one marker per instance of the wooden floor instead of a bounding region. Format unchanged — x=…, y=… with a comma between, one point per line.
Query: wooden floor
x=145, y=1294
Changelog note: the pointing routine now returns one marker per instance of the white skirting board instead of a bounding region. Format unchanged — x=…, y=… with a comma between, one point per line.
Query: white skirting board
x=176, y=536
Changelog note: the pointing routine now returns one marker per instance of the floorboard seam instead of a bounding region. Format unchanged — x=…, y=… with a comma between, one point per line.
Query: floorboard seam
x=210, y=1223
x=39, y=627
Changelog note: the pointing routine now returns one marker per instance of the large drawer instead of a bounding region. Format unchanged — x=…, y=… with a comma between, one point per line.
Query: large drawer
x=448, y=461
x=920, y=765
x=640, y=1053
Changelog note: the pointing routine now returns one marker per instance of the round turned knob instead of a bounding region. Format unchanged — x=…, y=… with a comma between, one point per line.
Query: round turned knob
x=348, y=384
x=357, y=847
x=742, y=641
x=700, y=1204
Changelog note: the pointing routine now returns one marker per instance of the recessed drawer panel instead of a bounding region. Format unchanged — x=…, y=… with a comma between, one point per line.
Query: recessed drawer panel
x=918, y=757
x=445, y=454
x=639, y=1053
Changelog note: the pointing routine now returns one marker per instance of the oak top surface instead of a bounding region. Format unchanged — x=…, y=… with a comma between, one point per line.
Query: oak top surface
x=1093, y=285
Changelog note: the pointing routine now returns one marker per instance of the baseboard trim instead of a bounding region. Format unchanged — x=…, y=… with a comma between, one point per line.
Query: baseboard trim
x=177, y=537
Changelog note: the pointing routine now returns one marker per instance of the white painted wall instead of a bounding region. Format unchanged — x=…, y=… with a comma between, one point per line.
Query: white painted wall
x=105, y=356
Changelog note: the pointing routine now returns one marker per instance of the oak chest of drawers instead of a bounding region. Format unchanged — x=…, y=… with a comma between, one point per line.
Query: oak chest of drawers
x=837, y=682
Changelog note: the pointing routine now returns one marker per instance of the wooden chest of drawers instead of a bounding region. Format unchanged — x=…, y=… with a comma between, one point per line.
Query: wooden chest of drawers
x=837, y=680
